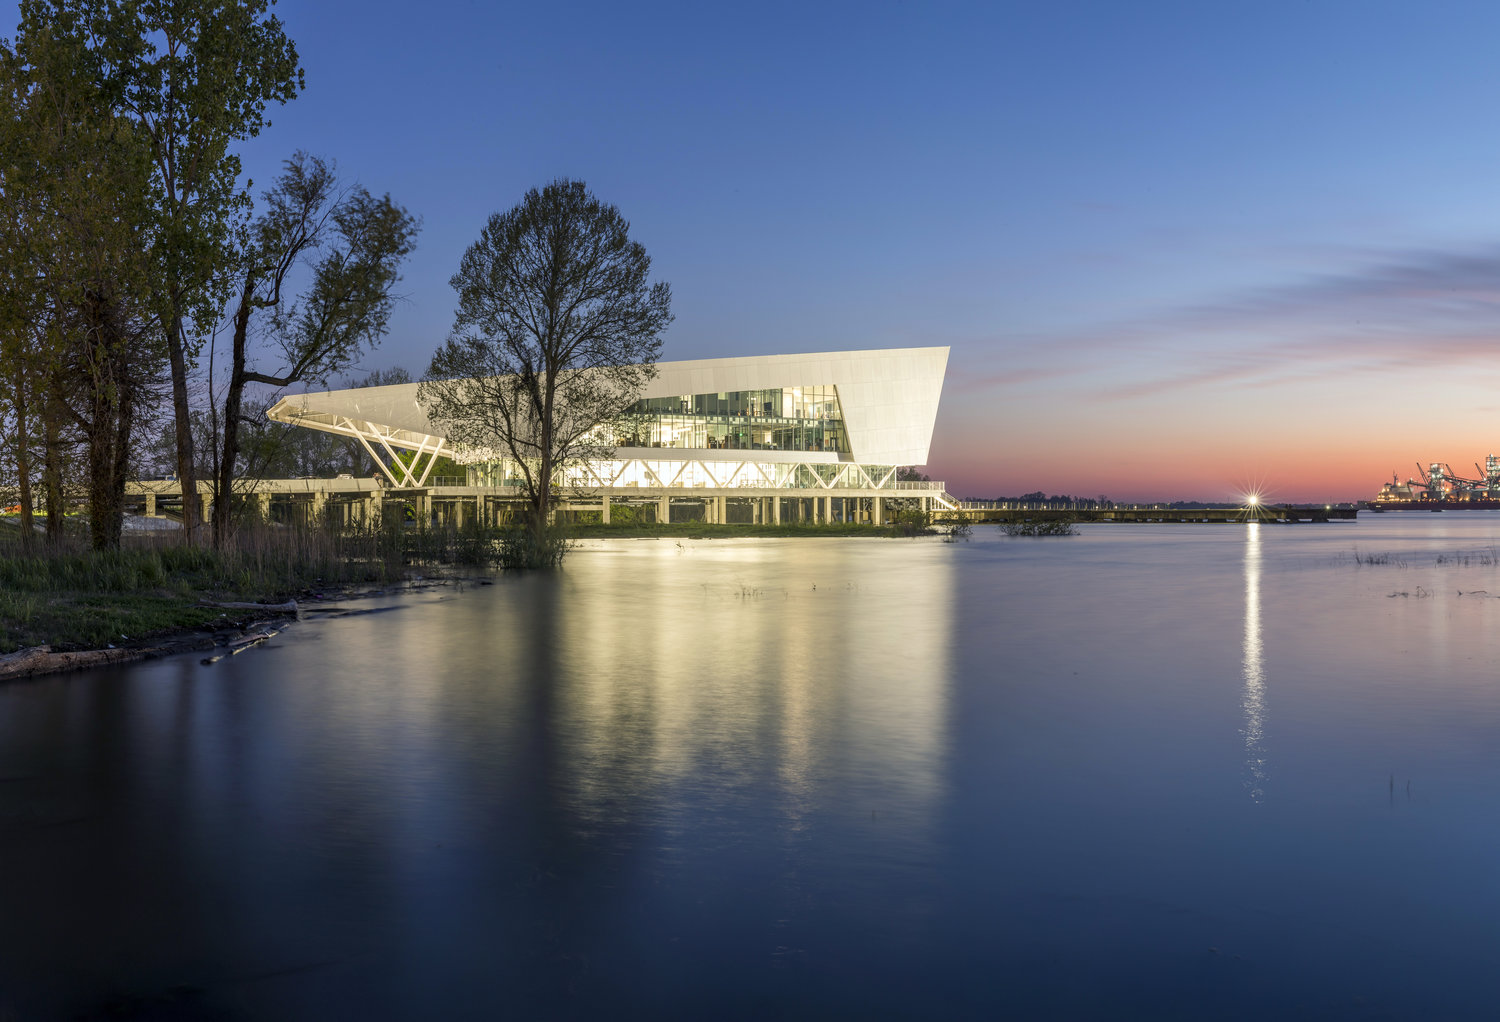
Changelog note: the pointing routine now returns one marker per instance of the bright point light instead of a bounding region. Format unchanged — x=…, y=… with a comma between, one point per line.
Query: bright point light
x=1252, y=499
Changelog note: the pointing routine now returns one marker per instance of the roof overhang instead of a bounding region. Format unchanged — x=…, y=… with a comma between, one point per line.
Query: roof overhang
x=889, y=399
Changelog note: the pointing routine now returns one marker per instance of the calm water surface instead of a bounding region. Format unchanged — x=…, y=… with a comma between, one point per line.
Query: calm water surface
x=1168, y=772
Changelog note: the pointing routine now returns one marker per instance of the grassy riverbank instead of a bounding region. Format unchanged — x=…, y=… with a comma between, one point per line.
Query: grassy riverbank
x=69, y=597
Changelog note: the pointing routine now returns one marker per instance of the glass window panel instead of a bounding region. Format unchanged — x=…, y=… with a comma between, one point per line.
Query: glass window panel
x=792, y=419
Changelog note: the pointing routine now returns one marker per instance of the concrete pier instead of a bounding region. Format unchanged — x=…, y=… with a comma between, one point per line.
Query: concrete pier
x=975, y=511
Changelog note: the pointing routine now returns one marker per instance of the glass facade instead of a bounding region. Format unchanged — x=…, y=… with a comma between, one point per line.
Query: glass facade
x=792, y=419
x=788, y=419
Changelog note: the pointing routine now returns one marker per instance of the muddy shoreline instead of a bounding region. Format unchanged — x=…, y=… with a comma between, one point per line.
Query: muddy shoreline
x=244, y=625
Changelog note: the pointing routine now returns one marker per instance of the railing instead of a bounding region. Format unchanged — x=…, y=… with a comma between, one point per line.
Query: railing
x=921, y=484
x=1043, y=505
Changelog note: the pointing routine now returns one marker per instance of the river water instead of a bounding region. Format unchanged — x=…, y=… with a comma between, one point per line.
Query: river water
x=1168, y=772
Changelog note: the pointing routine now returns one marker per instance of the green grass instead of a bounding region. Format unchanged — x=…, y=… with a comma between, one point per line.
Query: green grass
x=75, y=598
x=68, y=620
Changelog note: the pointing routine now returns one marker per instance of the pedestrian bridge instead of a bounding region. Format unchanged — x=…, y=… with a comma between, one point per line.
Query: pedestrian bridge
x=351, y=500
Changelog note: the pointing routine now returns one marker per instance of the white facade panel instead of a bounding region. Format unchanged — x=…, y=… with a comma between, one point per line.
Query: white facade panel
x=889, y=398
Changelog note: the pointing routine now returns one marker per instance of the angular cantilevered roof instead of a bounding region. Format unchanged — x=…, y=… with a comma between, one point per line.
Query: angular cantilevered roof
x=889, y=399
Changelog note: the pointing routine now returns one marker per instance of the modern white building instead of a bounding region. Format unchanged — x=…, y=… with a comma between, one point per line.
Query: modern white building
x=737, y=437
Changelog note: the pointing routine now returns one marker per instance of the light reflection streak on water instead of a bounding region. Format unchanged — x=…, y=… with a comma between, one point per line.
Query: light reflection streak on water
x=822, y=675
x=1254, y=669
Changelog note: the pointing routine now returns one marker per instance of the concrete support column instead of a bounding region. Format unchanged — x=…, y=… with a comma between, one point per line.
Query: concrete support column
x=458, y=514
x=721, y=513
x=664, y=510
x=150, y=505
x=319, y=501
x=604, y=509
x=877, y=510
x=206, y=505
x=265, y=506
x=827, y=510
x=925, y=506
x=775, y=510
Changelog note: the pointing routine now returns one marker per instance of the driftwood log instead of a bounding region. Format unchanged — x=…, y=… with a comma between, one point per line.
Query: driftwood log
x=24, y=663
x=34, y=660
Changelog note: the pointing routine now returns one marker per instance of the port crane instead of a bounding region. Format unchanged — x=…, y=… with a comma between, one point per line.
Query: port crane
x=1438, y=482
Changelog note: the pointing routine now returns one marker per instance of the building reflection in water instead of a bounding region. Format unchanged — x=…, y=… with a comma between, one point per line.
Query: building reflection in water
x=803, y=680
x=1254, y=669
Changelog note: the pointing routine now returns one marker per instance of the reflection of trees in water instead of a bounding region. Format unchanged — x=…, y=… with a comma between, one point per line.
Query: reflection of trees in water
x=1254, y=702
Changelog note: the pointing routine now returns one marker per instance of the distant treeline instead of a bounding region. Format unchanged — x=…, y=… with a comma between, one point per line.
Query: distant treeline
x=1063, y=500
x=1059, y=500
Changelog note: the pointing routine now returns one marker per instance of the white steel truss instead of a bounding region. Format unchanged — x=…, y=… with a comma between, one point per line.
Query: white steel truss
x=400, y=473
x=706, y=473
x=736, y=475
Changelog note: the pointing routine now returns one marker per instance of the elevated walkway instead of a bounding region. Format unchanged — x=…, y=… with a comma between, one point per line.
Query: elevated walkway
x=367, y=499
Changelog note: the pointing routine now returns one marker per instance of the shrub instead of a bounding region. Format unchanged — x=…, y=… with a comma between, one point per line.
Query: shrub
x=958, y=531
x=1043, y=527
x=522, y=547
x=911, y=522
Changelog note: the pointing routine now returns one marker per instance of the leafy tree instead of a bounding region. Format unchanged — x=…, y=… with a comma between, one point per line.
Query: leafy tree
x=556, y=334
x=20, y=310
x=79, y=173
x=193, y=77
x=356, y=243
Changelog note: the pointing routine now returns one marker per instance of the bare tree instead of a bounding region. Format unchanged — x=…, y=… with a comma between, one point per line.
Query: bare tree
x=556, y=334
x=355, y=244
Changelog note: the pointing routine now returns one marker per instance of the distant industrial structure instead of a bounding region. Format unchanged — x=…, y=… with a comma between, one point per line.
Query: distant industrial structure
x=1438, y=487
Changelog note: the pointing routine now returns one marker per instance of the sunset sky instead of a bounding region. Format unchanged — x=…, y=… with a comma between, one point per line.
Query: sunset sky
x=1178, y=249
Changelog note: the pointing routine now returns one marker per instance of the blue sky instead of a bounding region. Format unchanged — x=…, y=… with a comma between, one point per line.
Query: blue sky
x=1177, y=248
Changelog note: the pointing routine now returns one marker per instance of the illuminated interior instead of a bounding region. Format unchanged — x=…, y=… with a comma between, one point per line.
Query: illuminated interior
x=788, y=419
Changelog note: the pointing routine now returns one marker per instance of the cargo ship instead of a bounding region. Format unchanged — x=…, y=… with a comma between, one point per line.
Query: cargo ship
x=1439, y=488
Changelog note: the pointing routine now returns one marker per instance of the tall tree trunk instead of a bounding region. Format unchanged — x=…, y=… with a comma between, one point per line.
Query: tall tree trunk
x=187, y=476
x=52, y=471
x=108, y=431
x=544, y=481
x=233, y=401
x=100, y=463
x=107, y=502
x=23, y=458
